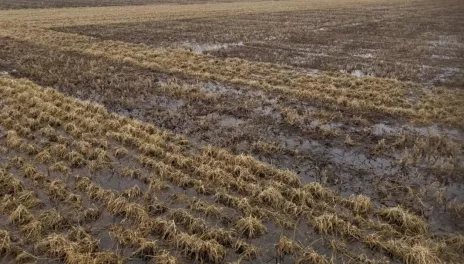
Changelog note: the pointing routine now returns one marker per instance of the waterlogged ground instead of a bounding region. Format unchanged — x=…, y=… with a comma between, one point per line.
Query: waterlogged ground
x=412, y=42
x=321, y=146
x=339, y=151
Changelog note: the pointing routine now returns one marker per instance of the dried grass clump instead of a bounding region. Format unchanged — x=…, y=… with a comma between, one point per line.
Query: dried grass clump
x=100, y=154
x=125, y=237
x=43, y=157
x=201, y=188
x=204, y=208
x=52, y=219
x=57, y=190
x=287, y=176
x=296, y=195
x=184, y=218
x=250, y=227
x=24, y=257
x=60, y=167
x=200, y=250
x=74, y=200
x=405, y=220
x=8, y=204
x=131, y=173
x=85, y=243
x=157, y=208
x=6, y=245
x=75, y=159
x=72, y=129
x=146, y=250
x=151, y=150
x=132, y=193
x=91, y=214
x=13, y=140
x=457, y=209
x=33, y=230
x=165, y=257
x=319, y=191
x=456, y=242
x=29, y=199
x=15, y=162
x=57, y=247
x=106, y=257
x=121, y=152
x=156, y=185
x=380, y=147
x=59, y=150
x=271, y=196
x=310, y=256
x=9, y=184
x=117, y=205
x=120, y=206
x=222, y=236
x=246, y=250
x=28, y=170
x=329, y=223
x=360, y=204
x=95, y=165
x=286, y=246
x=419, y=254
x=21, y=216
x=29, y=149
x=3, y=150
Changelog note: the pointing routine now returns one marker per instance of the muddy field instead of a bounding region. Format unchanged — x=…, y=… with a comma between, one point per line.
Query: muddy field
x=410, y=42
x=283, y=132
x=29, y=4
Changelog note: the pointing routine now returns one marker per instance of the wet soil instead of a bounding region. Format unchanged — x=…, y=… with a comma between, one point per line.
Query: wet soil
x=412, y=42
x=24, y=4
x=244, y=120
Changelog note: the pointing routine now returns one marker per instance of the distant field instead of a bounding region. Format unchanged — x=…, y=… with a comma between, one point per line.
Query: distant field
x=232, y=132
x=29, y=4
x=406, y=42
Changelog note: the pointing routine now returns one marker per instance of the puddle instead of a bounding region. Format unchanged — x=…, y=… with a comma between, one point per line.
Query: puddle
x=365, y=56
x=442, y=57
x=447, y=41
x=264, y=110
x=230, y=121
x=443, y=75
x=211, y=87
x=357, y=73
x=200, y=48
x=165, y=102
x=384, y=129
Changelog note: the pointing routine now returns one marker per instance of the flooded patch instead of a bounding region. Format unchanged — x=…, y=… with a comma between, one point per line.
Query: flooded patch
x=357, y=73
x=365, y=56
x=212, y=87
x=442, y=57
x=447, y=41
x=230, y=121
x=200, y=48
x=385, y=129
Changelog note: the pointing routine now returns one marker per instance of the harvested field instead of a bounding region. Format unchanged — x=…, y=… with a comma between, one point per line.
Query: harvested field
x=407, y=42
x=29, y=4
x=216, y=132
